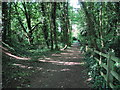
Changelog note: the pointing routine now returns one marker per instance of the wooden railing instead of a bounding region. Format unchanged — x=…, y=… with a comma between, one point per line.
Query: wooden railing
x=109, y=66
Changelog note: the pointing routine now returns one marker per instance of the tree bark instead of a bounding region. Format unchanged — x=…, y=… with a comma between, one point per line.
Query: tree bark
x=66, y=26
x=54, y=23
x=51, y=28
x=4, y=21
x=28, y=18
x=91, y=32
x=45, y=32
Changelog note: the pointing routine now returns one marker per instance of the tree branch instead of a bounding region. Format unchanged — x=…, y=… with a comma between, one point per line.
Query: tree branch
x=27, y=16
x=36, y=25
x=24, y=29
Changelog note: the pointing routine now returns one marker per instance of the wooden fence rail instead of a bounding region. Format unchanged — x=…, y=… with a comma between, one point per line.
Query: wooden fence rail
x=109, y=67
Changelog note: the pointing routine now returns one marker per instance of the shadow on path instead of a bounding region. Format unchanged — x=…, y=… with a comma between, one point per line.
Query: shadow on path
x=61, y=70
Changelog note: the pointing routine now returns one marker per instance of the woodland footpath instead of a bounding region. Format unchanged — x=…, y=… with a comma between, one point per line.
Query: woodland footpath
x=53, y=44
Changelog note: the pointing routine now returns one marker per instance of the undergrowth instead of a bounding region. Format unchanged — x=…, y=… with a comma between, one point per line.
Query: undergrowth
x=97, y=80
x=94, y=69
x=13, y=76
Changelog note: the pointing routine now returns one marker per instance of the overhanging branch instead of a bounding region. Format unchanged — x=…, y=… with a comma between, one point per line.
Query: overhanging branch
x=36, y=25
x=24, y=29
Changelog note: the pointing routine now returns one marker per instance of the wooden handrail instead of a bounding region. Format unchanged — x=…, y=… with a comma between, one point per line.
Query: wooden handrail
x=116, y=75
x=109, y=67
x=102, y=64
x=107, y=56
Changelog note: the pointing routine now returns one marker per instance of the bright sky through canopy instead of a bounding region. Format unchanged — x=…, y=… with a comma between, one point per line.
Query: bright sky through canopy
x=74, y=3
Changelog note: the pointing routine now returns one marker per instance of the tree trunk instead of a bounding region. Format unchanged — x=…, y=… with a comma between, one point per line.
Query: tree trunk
x=9, y=22
x=45, y=32
x=91, y=32
x=28, y=18
x=51, y=28
x=5, y=21
x=66, y=26
x=54, y=24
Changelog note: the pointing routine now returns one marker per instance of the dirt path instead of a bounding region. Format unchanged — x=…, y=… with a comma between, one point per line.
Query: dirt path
x=61, y=70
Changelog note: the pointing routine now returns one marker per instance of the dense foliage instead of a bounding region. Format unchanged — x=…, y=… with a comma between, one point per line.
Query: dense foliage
x=39, y=27
x=100, y=31
x=37, y=23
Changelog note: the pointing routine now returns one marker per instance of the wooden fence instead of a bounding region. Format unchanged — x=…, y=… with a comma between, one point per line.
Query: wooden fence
x=109, y=66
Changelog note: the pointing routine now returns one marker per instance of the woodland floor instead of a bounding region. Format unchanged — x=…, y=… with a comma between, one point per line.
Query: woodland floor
x=65, y=69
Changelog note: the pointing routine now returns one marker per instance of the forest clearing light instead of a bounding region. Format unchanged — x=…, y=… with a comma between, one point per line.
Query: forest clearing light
x=74, y=3
x=75, y=31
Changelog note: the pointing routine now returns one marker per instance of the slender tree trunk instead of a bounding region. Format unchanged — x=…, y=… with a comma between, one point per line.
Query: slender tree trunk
x=101, y=33
x=91, y=32
x=45, y=32
x=4, y=21
x=51, y=28
x=28, y=18
x=54, y=23
x=62, y=24
x=9, y=22
x=66, y=26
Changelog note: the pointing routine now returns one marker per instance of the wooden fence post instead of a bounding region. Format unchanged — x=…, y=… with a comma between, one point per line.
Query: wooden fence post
x=86, y=48
x=110, y=67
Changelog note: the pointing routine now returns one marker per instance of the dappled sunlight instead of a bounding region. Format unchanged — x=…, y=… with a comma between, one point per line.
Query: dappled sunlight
x=3, y=48
x=39, y=68
x=48, y=58
x=16, y=57
x=88, y=80
x=73, y=63
x=63, y=63
x=51, y=70
x=67, y=53
x=56, y=55
x=42, y=60
x=75, y=57
x=71, y=57
x=65, y=70
x=23, y=66
x=70, y=50
x=27, y=67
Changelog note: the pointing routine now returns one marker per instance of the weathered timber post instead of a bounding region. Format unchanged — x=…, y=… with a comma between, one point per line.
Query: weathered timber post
x=86, y=48
x=110, y=67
